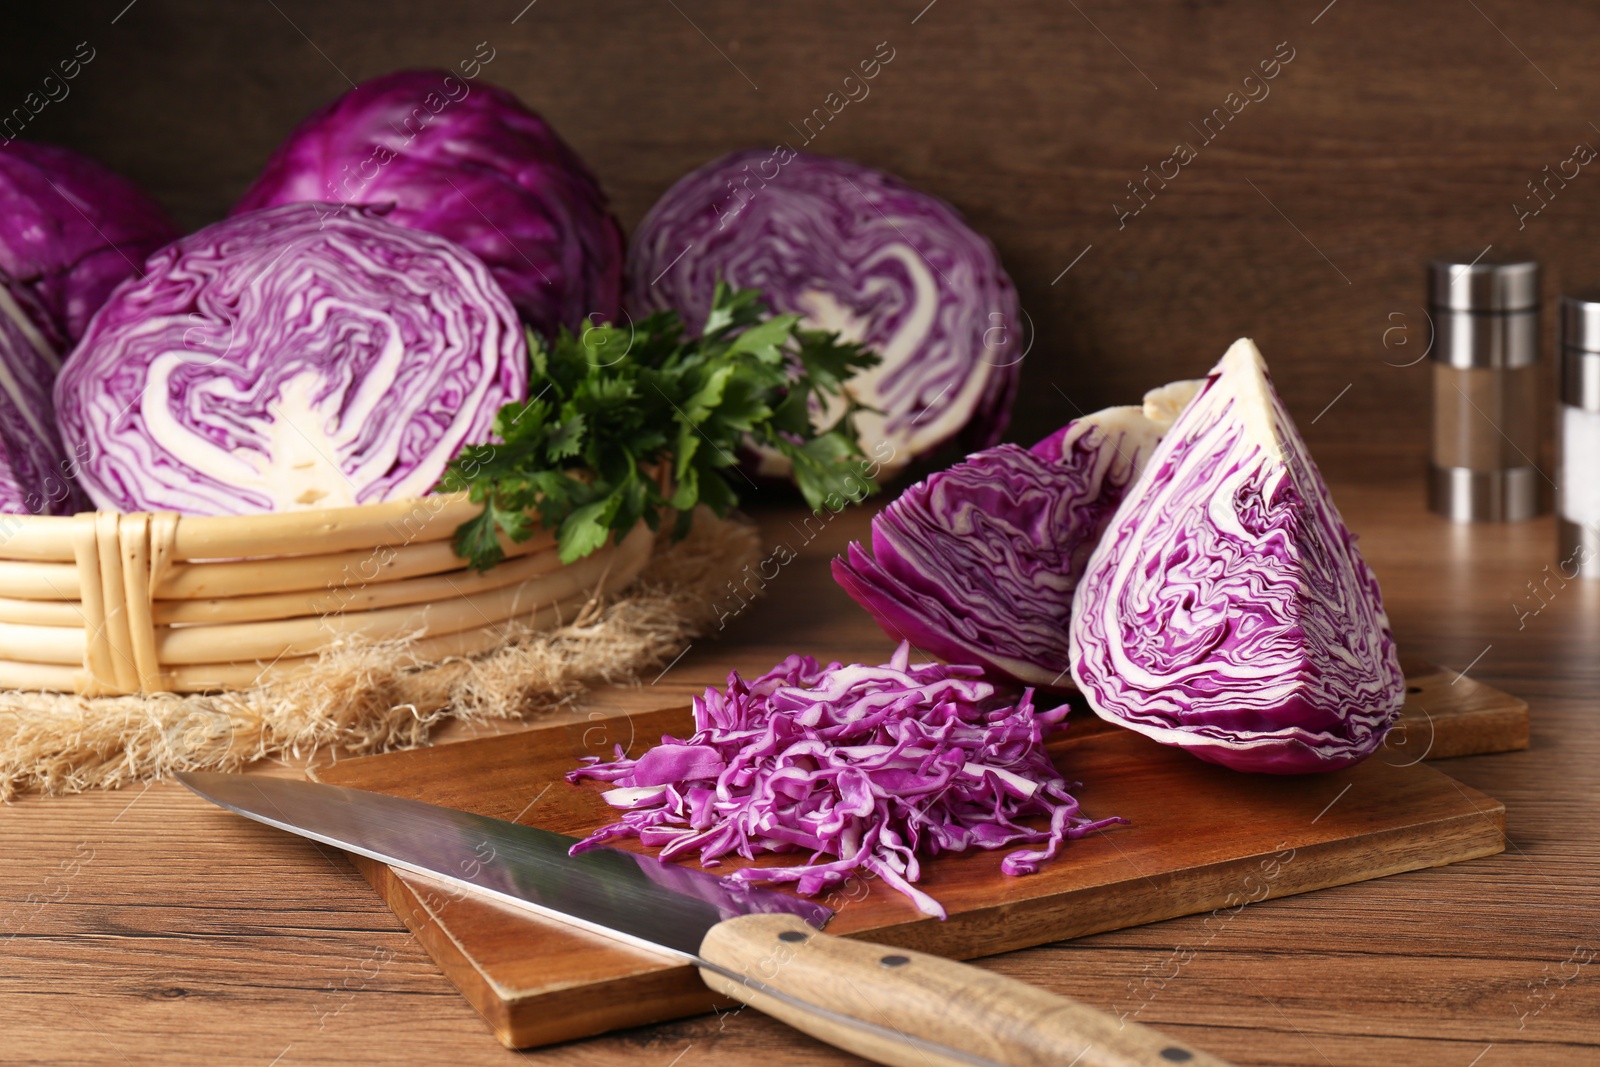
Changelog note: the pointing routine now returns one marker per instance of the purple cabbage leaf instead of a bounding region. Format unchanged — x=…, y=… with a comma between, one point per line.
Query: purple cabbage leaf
x=35, y=475
x=978, y=563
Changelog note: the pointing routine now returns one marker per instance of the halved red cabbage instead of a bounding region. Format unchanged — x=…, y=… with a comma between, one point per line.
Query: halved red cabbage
x=1227, y=610
x=305, y=355
x=978, y=563
x=856, y=251
x=864, y=768
x=468, y=161
x=35, y=475
x=70, y=230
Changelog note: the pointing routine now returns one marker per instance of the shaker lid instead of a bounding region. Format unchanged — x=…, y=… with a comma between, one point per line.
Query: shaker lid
x=1484, y=283
x=1580, y=349
x=1580, y=320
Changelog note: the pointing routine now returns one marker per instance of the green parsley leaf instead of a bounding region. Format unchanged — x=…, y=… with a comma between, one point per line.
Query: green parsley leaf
x=475, y=539
x=614, y=408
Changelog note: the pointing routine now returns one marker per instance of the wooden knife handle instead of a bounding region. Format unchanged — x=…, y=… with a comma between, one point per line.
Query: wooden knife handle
x=909, y=1009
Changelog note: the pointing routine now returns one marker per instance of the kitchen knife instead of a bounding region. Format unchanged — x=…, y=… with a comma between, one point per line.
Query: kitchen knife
x=756, y=945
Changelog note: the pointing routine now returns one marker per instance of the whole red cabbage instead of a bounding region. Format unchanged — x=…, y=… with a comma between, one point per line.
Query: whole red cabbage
x=468, y=161
x=70, y=230
x=298, y=356
x=864, y=768
x=979, y=563
x=855, y=251
x=1227, y=610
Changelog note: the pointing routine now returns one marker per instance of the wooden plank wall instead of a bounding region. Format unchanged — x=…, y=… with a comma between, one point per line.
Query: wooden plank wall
x=1390, y=132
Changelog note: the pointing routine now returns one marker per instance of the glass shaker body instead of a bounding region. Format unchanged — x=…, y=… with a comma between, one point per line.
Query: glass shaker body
x=1468, y=401
x=1487, y=407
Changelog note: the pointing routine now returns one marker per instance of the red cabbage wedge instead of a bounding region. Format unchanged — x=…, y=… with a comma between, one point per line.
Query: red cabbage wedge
x=858, y=252
x=1226, y=609
x=299, y=356
x=978, y=563
x=468, y=161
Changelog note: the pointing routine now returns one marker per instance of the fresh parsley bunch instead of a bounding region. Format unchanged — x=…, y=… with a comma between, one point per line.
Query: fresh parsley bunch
x=615, y=407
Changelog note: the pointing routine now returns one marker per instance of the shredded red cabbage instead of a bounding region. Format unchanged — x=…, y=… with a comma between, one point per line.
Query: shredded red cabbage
x=872, y=766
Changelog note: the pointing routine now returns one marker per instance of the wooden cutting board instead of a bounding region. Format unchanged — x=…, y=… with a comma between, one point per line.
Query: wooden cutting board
x=1200, y=838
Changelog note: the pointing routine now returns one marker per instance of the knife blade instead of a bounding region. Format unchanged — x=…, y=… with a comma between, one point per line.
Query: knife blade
x=760, y=946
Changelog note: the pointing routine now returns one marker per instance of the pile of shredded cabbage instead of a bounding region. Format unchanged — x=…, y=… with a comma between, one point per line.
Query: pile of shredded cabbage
x=865, y=768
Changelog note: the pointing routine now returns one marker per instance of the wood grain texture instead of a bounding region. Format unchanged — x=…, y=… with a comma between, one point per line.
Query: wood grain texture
x=148, y=927
x=1201, y=839
x=919, y=1010
x=1395, y=133
x=1448, y=714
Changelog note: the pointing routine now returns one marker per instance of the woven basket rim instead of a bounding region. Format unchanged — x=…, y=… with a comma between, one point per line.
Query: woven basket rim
x=48, y=538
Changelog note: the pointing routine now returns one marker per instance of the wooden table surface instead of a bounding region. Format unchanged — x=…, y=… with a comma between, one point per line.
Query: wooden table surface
x=144, y=927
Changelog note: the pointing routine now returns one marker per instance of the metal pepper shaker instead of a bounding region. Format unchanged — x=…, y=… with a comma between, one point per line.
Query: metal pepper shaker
x=1578, y=477
x=1486, y=409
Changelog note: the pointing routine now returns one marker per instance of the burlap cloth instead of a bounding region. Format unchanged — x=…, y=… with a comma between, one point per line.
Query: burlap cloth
x=368, y=697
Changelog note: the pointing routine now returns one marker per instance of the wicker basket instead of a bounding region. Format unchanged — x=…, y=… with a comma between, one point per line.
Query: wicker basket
x=103, y=603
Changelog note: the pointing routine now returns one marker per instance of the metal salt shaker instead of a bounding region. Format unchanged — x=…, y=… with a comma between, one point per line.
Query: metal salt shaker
x=1486, y=408
x=1578, y=477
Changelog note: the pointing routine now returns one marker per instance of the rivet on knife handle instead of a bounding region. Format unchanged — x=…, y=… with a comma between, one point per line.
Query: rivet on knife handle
x=908, y=1009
